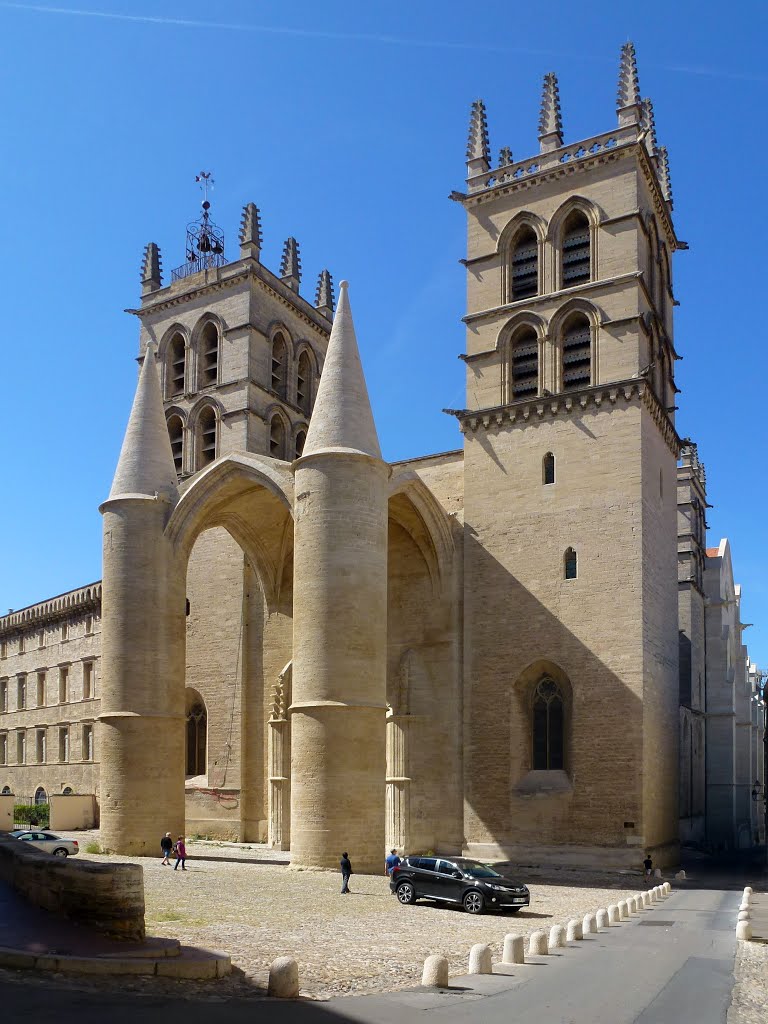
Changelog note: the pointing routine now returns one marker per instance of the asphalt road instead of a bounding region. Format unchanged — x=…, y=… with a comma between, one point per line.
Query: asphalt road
x=671, y=965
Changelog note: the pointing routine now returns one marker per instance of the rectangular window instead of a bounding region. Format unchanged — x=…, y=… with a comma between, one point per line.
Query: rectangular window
x=88, y=624
x=41, y=689
x=21, y=748
x=3, y=748
x=63, y=684
x=3, y=695
x=3, y=648
x=64, y=631
x=87, y=680
x=21, y=644
x=40, y=746
x=64, y=743
x=41, y=638
x=21, y=692
x=87, y=742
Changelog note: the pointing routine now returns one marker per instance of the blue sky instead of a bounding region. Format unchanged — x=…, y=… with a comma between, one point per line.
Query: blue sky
x=346, y=124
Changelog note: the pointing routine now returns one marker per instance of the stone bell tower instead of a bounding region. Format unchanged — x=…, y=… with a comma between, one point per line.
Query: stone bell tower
x=570, y=483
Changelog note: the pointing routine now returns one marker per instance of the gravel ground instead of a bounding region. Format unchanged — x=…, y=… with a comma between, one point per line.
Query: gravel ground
x=750, y=994
x=241, y=901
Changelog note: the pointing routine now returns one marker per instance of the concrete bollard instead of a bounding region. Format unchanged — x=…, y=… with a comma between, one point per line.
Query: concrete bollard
x=646, y=899
x=556, y=937
x=748, y=889
x=537, y=944
x=623, y=910
x=589, y=925
x=657, y=872
x=514, y=950
x=574, y=931
x=602, y=919
x=667, y=887
x=744, y=930
x=613, y=914
x=480, y=961
x=283, y=978
x=680, y=876
x=743, y=906
x=743, y=915
x=653, y=893
x=435, y=973
x=632, y=905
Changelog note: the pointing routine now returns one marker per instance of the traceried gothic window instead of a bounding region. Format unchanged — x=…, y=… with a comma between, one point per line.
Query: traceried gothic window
x=279, y=382
x=197, y=733
x=548, y=468
x=524, y=271
x=176, y=434
x=524, y=365
x=575, y=250
x=576, y=353
x=548, y=727
x=206, y=437
x=209, y=355
x=570, y=564
x=277, y=438
x=41, y=797
x=304, y=383
x=176, y=366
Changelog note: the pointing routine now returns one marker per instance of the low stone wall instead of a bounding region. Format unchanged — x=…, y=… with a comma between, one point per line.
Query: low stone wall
x=108, y=897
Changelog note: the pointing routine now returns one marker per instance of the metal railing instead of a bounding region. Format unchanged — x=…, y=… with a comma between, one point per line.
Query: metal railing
x=206, y=262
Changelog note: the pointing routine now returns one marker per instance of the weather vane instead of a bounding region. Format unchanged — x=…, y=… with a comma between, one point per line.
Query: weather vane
x=205, y=182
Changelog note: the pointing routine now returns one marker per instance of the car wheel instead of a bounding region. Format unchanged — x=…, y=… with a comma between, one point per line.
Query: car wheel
x=61, y=852
x=474, y=903
x=406, y=893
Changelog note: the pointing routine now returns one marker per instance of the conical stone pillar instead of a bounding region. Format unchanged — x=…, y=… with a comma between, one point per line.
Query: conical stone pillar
x=141, y=725
x=338, y=757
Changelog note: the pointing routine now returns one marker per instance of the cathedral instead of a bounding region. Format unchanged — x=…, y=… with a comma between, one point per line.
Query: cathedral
x=482, y=650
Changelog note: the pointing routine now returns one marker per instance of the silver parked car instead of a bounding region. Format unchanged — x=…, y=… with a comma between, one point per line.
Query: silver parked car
x=47, y=841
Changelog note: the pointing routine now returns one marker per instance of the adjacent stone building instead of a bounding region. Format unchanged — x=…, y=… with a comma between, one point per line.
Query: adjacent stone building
x=494, y=649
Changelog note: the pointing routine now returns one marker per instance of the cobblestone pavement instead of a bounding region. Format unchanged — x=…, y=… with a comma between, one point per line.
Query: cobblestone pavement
x=750, y=993
x=242, y=902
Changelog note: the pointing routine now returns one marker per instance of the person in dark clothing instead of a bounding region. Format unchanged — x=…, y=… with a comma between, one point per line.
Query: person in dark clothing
x=166, y=845
x=648, y=865
x=346, y=871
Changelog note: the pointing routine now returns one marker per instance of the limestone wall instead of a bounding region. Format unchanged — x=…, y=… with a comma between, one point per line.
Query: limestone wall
x=108, y=897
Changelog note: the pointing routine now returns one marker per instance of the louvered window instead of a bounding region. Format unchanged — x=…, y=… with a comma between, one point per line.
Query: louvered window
x=525, y=266
x=207, y=431
x=276, y=438
x=209, y=355
x=577, y=354
x=176, y=366
x=279, y=365
x=176, y=434
x=576, y=255
x=524, y=369
x=303, y=383
x=301, y=440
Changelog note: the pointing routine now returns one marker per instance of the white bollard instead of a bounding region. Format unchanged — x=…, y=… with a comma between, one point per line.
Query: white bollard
x=744, y=930
x=556, y=937
x=646, y=899
x=657, y=873
x=537, y=944
x=743, y=915
x=514, y=950
x=653, y=893
x=623, y=910
x=435, y=973
x=743, y=905
x=613, y=914
x=680, y=876
x=589, y=925
x=283, y=978
x=748, y=889
x=480, y=961
x=667, y=887
x=575, y=930
x=632, y=905
x=602, y=920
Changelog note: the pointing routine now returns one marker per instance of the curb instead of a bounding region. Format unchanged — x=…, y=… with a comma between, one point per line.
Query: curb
x=187, y=962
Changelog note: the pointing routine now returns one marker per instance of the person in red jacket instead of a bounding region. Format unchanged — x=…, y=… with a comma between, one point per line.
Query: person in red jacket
x=181, y=853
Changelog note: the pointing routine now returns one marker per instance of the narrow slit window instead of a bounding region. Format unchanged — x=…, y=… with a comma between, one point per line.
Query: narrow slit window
x=525, y=265
x=304, y=383
x=576, y=254
x=524, y=368
x=176, y=434
x=577, y=354
x=571, y=564
x=279, y=380
x=177, y=365
x=206, y=427
x=548, y=468
x=209, y=353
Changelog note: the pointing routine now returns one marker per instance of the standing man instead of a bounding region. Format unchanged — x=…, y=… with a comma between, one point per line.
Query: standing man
x=391, y=863
x=181, y=854
x=346, y=871
x=166, y=845
x=648, y=865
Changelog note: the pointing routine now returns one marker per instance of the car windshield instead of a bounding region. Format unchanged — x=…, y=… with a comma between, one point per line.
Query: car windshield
x=471, y=867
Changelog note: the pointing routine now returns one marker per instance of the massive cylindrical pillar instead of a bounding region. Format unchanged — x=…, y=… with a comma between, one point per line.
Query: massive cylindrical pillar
x=338, y=760
x=141, y=725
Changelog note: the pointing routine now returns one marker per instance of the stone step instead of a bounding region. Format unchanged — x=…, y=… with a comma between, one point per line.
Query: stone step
x=189, y=963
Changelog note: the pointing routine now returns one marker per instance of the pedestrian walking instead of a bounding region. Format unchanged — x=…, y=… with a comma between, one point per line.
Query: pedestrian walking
x=166, y=845
x=346, y=871
x=181, y=853
x=648, y=865
x=391, y=863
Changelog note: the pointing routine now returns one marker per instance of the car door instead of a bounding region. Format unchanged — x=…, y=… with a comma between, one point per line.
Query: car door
x=427, y=881
x=449, y=885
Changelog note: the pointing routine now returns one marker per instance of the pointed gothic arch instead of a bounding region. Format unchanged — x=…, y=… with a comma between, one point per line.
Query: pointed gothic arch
x=521, y=246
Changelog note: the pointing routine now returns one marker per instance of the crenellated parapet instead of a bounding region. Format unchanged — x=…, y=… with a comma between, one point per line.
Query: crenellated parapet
x=74, y=602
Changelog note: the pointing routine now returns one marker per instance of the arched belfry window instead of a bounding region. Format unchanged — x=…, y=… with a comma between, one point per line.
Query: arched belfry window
x=206, y=437
x=279, y=381
x=176, y=434
x=209, y=355
x=524, y=365
x=576, y=256
x=277, y=437
x=197, y=739
x=576, y=353
x=548, y=720
x=570, y=564
x=548, y=468
x=301, y=440
x=176, y=366
x=525, y=265
x=304, y=383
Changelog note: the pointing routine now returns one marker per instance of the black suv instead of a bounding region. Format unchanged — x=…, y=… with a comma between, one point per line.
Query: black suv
x=458, y=880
